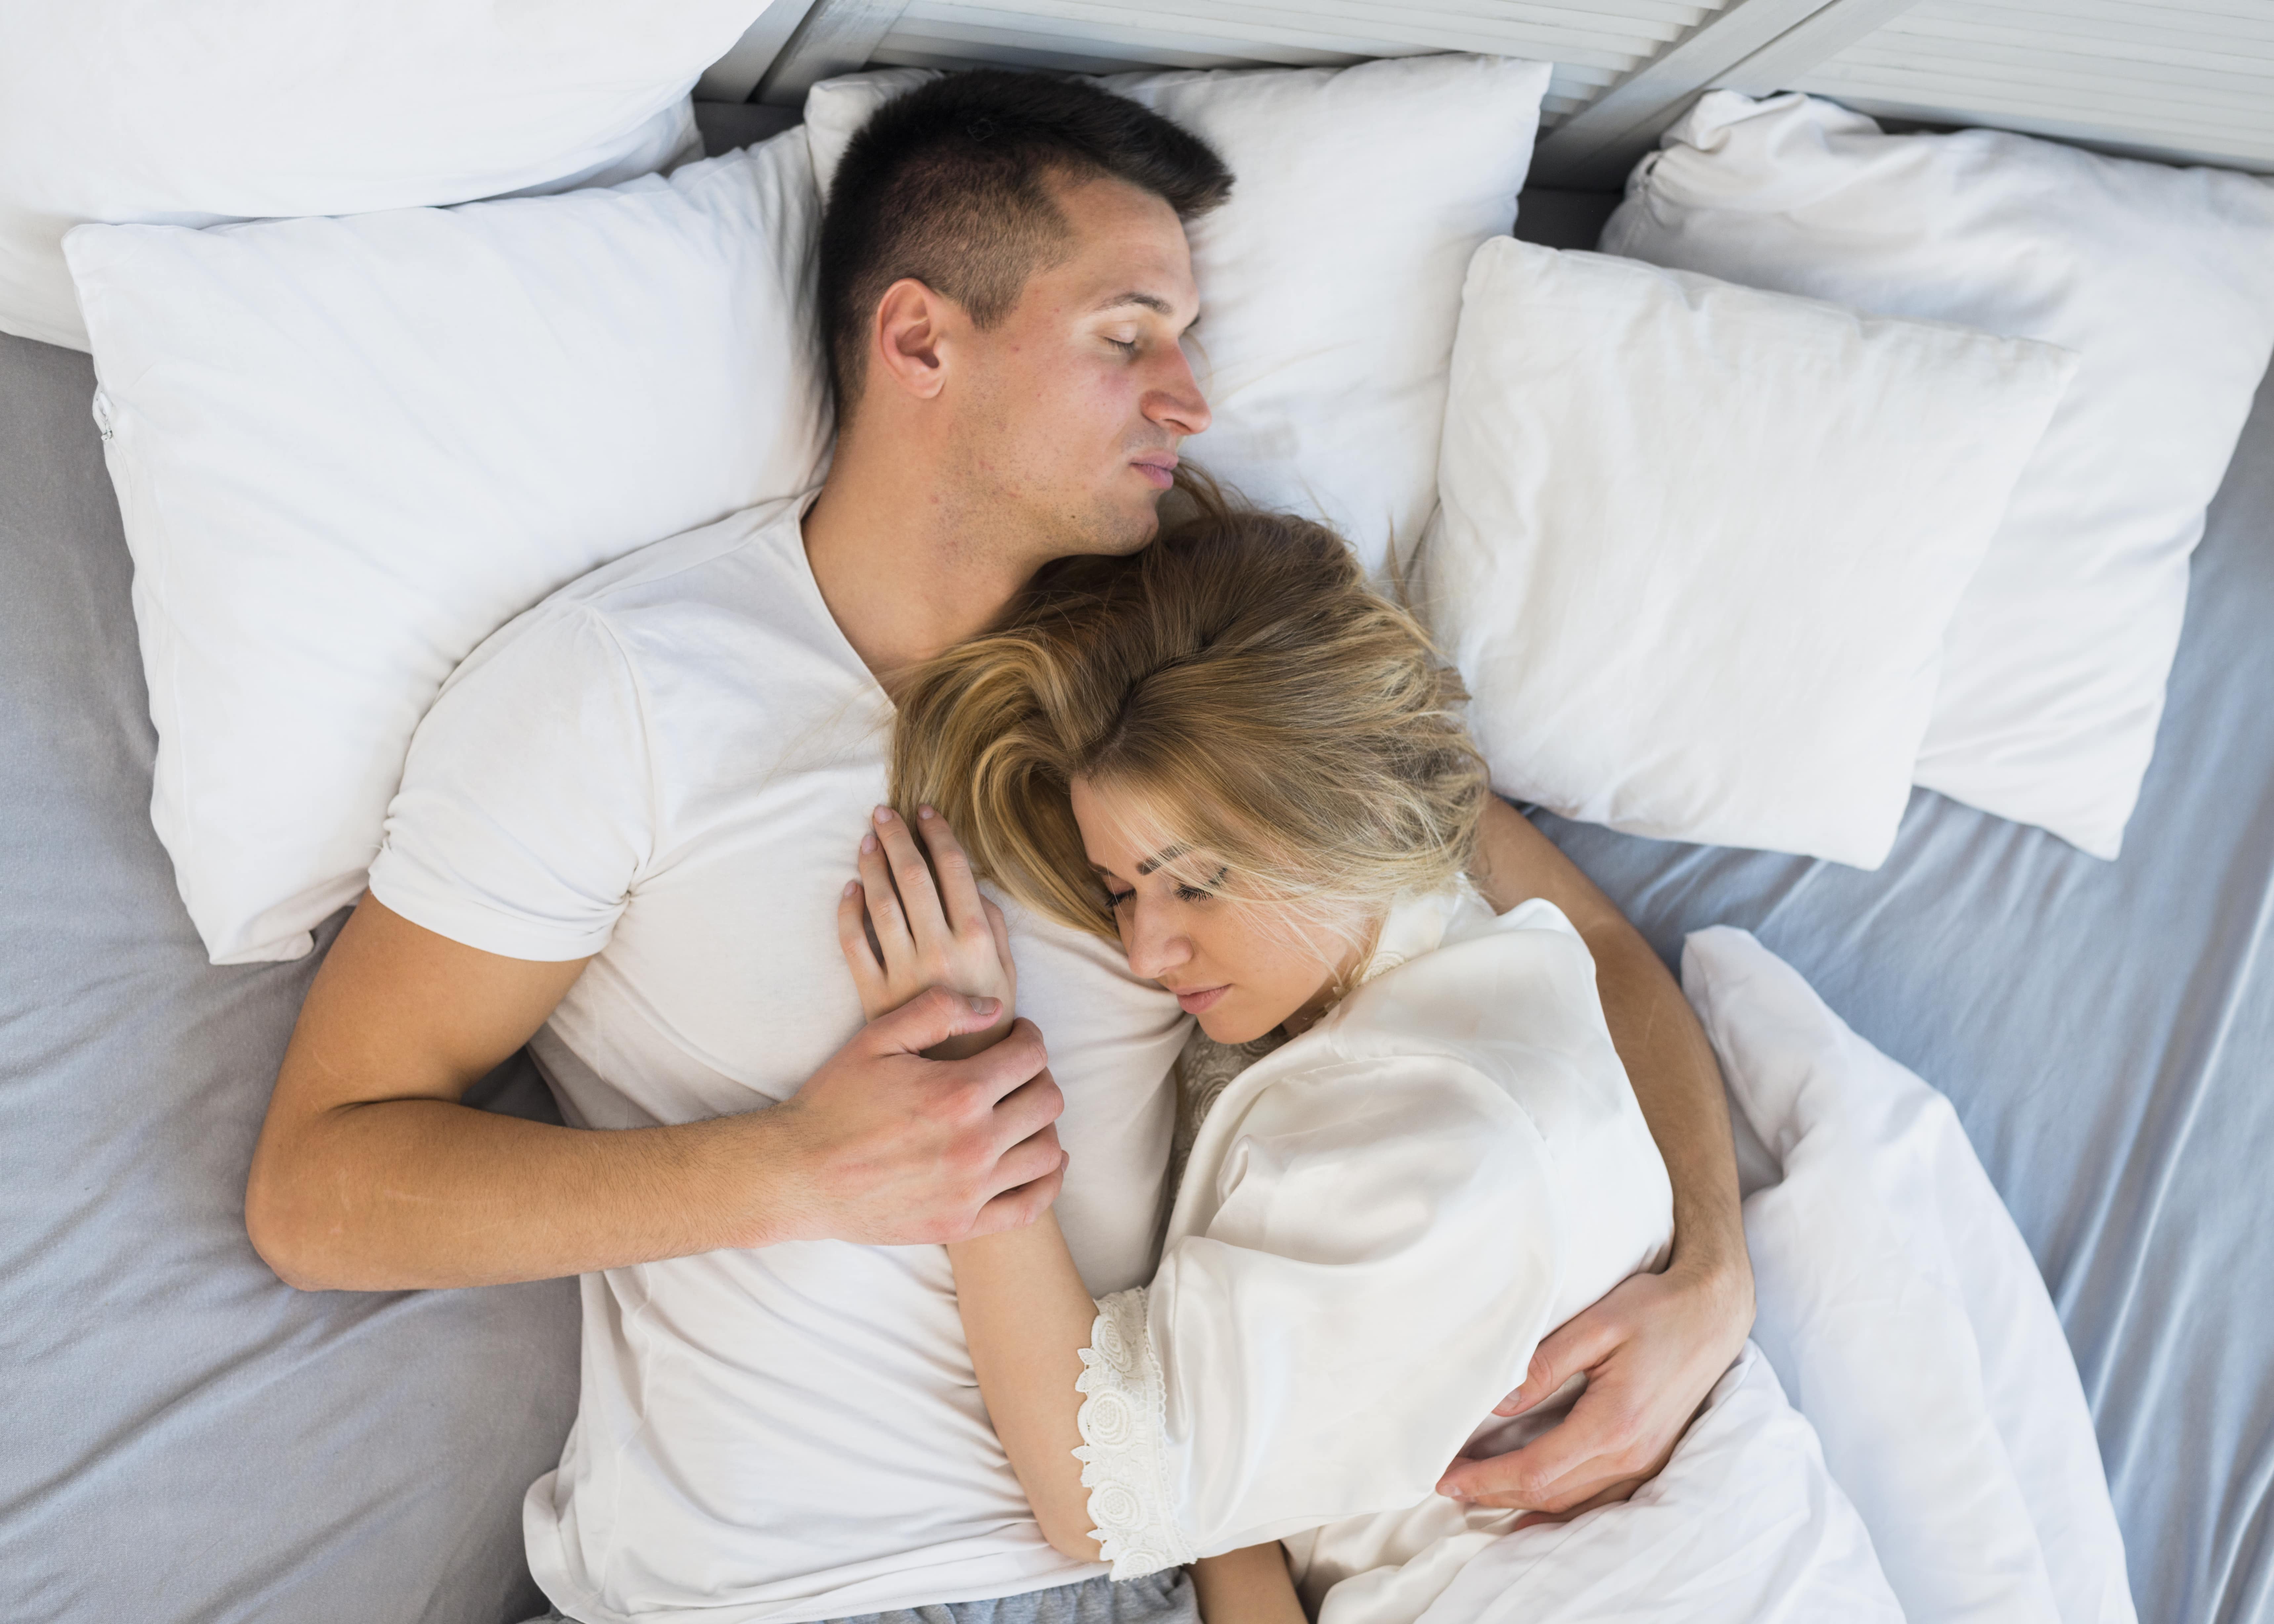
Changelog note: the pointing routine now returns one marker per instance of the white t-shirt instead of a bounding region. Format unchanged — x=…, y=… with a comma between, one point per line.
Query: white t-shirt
x=668, y=764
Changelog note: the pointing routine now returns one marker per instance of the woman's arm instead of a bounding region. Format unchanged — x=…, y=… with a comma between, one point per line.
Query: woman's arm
x=1026, y=1317
x=1250, y=1586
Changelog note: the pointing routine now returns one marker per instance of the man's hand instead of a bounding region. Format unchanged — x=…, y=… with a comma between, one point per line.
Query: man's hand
x=1652, y=1350
x=370, y=1176
x=885, y=1147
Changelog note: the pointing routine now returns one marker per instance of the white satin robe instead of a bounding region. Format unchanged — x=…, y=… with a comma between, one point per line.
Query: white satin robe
x=1378, y=1223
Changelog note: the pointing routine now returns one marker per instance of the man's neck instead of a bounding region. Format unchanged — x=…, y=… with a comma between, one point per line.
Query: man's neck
x=900, y=566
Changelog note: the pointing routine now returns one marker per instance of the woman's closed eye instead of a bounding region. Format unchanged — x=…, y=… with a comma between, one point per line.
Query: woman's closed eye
x=1182, y=891
x=1200, y=893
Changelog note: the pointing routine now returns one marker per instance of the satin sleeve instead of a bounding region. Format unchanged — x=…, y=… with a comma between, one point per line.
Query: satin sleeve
x=1378, y=1265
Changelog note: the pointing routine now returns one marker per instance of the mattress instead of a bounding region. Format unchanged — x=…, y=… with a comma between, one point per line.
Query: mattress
x=182, y=1437
x=187, y=1440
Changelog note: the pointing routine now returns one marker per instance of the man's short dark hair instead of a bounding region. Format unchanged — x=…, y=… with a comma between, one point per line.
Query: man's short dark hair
x=949, y=184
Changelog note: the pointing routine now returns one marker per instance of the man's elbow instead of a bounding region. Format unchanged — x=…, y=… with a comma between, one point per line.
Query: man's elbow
x=282, y=1236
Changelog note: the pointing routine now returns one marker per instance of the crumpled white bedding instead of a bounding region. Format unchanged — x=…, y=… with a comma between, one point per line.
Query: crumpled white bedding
x=1940, y=1464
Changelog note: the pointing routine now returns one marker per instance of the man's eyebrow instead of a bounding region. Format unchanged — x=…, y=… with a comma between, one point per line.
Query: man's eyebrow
x=1150, y=301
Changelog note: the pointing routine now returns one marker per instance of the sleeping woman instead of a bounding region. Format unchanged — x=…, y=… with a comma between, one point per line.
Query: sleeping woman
x=1406, y=1148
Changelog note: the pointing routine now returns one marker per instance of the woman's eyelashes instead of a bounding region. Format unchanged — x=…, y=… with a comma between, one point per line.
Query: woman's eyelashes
x=1202, y=893
x=1182, y=892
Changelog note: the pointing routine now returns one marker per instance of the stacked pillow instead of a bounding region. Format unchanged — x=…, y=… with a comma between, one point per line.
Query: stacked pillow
x=115, y=110
x=1700, y=543
x=2160, y=279
x=347, y=450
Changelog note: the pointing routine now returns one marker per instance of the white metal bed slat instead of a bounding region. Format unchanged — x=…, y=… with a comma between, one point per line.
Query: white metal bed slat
x=2201, y=120
x=2245, y=89
x=950, y=45
x=2186, y=79
x=2188, y=137
x=1556, y=38
x=2221, y=149
x=2191, y=79
x=1963, y=35
x=2158, y=26
x=1429, y=29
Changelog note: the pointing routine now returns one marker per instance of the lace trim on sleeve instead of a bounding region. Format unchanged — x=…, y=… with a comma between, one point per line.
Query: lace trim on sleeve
x=1124, y=1443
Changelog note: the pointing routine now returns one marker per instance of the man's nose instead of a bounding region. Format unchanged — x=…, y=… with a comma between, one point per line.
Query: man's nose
x=1176, y=401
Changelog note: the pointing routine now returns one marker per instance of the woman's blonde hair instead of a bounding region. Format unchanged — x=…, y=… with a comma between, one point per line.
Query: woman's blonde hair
x=1241, y=678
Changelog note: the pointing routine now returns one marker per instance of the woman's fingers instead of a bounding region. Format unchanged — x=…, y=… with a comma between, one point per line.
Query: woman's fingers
x=927, y=922
x=959, y=890
x=885, y=918
x=860, y=954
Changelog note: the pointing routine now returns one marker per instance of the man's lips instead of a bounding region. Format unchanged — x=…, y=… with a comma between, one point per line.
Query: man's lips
x=1159, y=467
x=1203, y=999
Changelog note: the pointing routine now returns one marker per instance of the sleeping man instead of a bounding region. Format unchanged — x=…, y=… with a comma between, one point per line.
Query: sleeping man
x=621, y=838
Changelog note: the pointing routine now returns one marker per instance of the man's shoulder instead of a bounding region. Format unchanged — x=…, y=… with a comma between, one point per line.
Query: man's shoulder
x=737, y=564
x=721, y=606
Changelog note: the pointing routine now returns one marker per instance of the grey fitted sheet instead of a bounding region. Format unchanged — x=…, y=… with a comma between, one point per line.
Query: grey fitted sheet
x=182, y=1438
x=2106, y=1031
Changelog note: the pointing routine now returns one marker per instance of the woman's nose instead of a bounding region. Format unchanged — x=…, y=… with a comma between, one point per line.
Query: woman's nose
x=1153, y=950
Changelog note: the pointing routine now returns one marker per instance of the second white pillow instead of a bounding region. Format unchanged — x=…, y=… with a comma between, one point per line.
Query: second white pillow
x=1699, y=543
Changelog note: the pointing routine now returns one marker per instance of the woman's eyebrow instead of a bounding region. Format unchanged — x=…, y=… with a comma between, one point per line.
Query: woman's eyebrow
x=1159, y=858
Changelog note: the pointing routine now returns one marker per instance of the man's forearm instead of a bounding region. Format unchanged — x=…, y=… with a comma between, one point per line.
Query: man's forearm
x=1671, y=1066
x=1677, y=1082
x=407, y=1194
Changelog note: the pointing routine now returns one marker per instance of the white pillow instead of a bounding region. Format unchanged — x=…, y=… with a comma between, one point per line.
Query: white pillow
x=348, y=451
x=116, y=110
x=1905, y=1317
x=1698, y=543
x=2161, y=279
x=1331, y=282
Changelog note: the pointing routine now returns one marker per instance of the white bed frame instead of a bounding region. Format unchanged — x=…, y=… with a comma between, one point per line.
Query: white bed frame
x=2184, y=80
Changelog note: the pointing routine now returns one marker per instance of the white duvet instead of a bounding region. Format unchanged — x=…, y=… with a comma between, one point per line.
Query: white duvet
x=1940, y=1464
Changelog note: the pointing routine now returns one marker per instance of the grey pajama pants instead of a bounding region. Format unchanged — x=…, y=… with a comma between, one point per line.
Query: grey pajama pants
x=1164, y=1597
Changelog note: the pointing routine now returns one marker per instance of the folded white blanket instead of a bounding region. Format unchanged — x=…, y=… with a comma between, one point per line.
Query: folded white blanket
x=1744, y=1524
x=1905, y=1316
x=1937, y=1460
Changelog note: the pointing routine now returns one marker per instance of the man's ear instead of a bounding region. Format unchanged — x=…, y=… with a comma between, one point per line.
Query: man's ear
x=913, y=328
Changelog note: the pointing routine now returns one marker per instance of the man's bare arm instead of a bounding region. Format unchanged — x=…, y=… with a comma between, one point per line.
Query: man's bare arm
x=370, y=1174
x=1654, y=1346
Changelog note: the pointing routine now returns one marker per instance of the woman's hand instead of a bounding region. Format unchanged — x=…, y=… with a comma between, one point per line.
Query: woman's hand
x=905, y=931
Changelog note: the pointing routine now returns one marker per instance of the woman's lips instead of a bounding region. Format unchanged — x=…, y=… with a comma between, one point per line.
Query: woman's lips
x=1205, y=999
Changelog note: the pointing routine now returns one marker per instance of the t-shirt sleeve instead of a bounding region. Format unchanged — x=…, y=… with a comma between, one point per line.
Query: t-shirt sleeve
x=527, y=808
x=1379, y=1267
